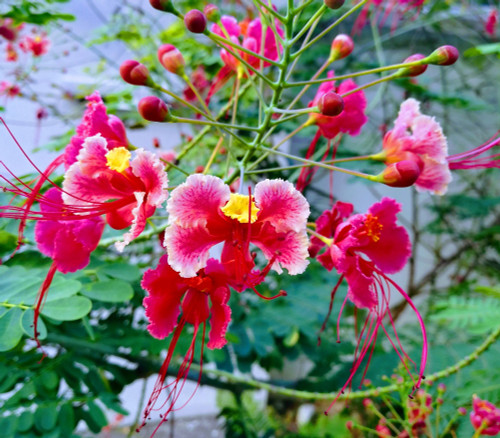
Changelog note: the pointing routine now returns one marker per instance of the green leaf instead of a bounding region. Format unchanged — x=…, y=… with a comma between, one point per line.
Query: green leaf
x=8, y=426
x=67, y=309
x=483, y=49
x=112, y=291
x=27, y=325
x=11, y=330
x=46, y=417
x=490, y=291
x=62, y=288
x=122, y=271
x=25, y=421
x=97, y=415
x=66, y=419
x=292, y=338
x=8, y=242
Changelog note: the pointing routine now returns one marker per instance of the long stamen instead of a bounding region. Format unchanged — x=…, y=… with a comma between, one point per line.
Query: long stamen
x=281, y=293
x=332, y=296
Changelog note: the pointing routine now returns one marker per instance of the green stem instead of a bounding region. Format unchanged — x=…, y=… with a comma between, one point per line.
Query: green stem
x=210, y=123
x=181, y=100
x=371, y=84
x=329, y=28
x=197, y=94
x=316, y=16
x=10, y=305
x=170, y=164
x=270, y=10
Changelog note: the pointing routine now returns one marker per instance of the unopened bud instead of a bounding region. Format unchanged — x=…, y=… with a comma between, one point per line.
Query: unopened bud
x=135, y=73
x=349, y=425
x=444, y=55
x=415, y=70
x=331, y=104
x=462, y=411
x=8, y=33
x=367, y=402
x=342, y=46
x=334, y=4
x=165, y=6
x=439, y=401
x=441, y=388
x=401, y=174
x=171, y=59
x=195, y=21
x=212, y=13
x=153, y=109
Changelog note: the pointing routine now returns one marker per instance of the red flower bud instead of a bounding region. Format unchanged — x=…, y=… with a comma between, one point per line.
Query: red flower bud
x=171, y=58
x=135, y=73
x=441, y=387
x=334, y=4
x=195, y=21
x=444, y=55
x=342, y=46
x=153, y=109
x=331, y=104
x=164, y=5
x=367, y=402
x=212, y=13
x=349, y=425
x=8, y=33
x=462, y=411
x=412, y=71
x=401, y=174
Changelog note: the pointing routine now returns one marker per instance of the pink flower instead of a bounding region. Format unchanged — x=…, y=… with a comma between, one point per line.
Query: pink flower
x=68, y=243
x=490, y=27
x=203, y=212
x=170, y=293
x=420, y=138
x=8, y=89
x=485, y=416
x=199, y=81
x=96, y=121
x=37, y=45
x=350, y=120
x=363, y=249
x=384, y=8
x=11, y=53
x=103, y=180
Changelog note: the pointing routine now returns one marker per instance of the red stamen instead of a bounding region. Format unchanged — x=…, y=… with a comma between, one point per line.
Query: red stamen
x=332, y=296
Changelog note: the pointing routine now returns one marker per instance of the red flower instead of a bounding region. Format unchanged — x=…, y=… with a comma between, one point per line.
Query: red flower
x=485, y=416
x=198, y=298
x=38, y=45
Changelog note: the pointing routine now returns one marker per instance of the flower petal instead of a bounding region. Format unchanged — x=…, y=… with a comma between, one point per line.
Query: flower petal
x=197, y=200
x=162, y=305
x=187, y=248
x=281, y=205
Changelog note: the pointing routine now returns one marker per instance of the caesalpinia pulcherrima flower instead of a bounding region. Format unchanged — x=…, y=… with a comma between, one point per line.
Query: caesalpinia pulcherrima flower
x=105, y=180
x=349, y=121
x=485, y=417
x=363, y=249
x=37, y=45
x=203, y=212
x=419, y=138
x=195, y=300
x=68, y=243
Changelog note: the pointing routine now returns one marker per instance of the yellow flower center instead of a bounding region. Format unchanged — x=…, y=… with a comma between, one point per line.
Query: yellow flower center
x=373, y=227
x=237, y=208
x=118, y=159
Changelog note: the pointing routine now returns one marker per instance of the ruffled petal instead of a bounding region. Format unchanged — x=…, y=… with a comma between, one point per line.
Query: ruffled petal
x=148, y=168
x=195, y=307
x=435, y=177
x=188, y=248
x=290, y=249
x=221, y=316
x=165, y=289
x=360, y=281
x=197, y=201
x=391, y=252
x=281, y=205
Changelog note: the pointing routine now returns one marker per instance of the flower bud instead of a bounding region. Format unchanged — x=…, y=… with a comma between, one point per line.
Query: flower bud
x=331, y=104
x=441, y=388
x=444, y=55
x=8, y=33
x=367, y=402
x=212, y=13
x=401, y=174
x=195, y=21
x=342, y=46
x=462, y=411
x=349, y=425
x=164, y=5
x=334, y=4
x=439, y=401
x=153, y=109
x=171, y=59
x=135, y=73
x=415, y=70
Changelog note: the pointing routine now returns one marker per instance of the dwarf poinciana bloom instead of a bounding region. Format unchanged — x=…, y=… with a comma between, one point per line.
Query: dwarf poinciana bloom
x=37, y=45
x=104, y=180
x=418, y=137
x=247, y=34
x=10, y=53
x=96, y=121
x=203, y=212
x=8, y=89
x=200, y=298
x=68, y=243
x=485, y=416
x=384, y=8
x=419, y=409
x=363, y=249
x=349, y=121
x=490, y=26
